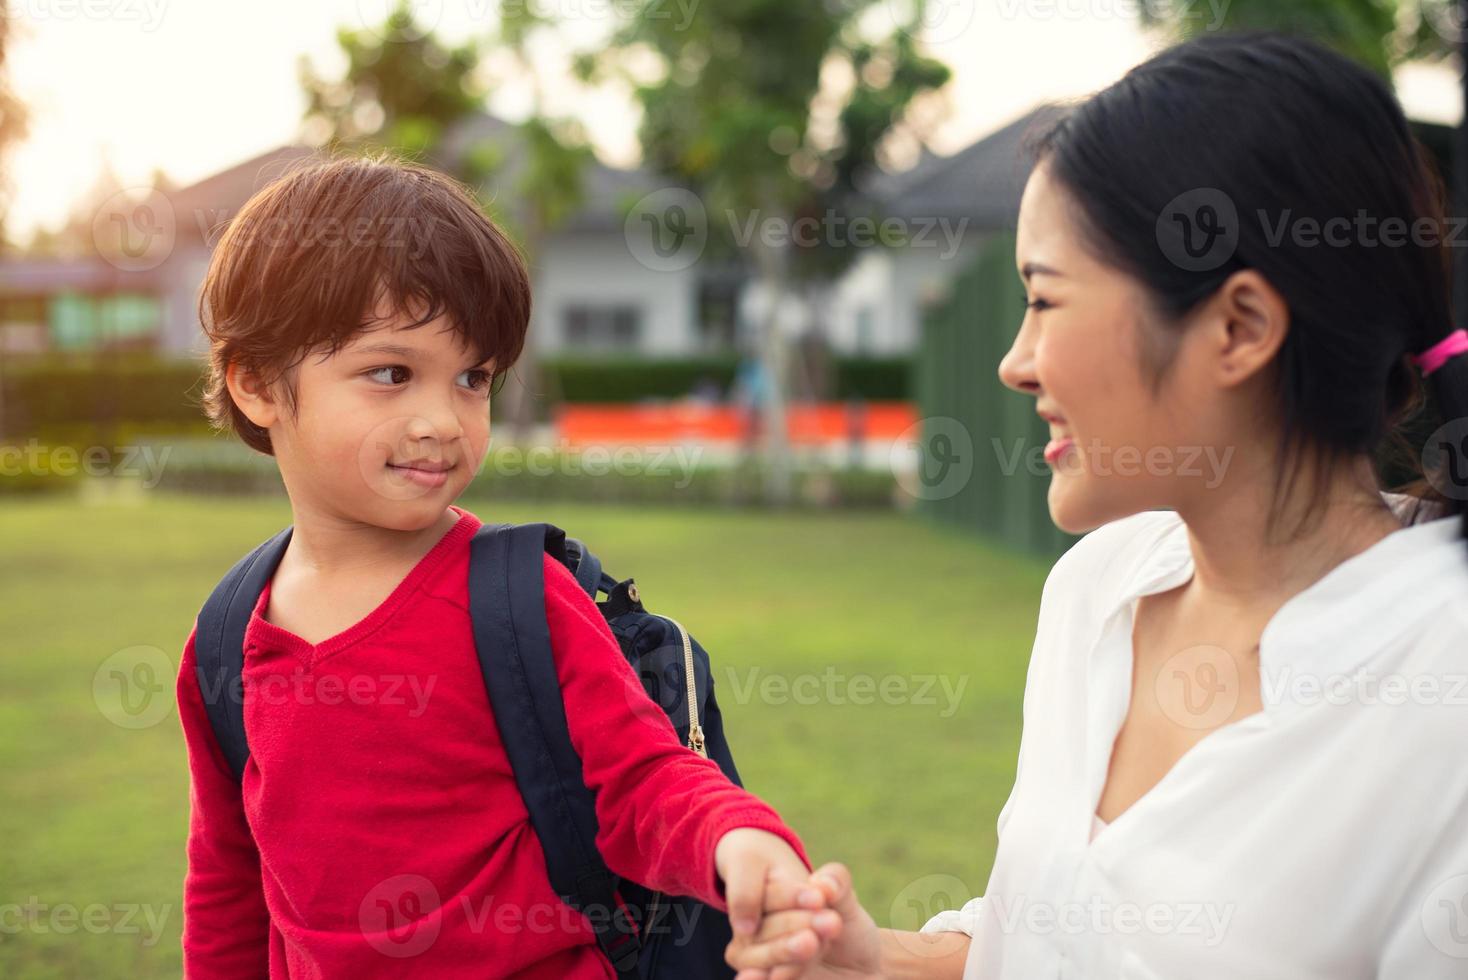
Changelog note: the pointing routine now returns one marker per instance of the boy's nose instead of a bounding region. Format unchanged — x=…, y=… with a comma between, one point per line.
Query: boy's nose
x=435, y=423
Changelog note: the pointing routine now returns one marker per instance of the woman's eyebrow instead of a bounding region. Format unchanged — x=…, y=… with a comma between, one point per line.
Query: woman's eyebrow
x=1036, y=269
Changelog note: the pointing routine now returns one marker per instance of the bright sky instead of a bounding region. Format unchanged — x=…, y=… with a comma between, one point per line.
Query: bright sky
x=193, y=86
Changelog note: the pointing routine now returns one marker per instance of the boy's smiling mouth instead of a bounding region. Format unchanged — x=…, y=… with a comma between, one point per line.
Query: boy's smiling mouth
x=425, y=472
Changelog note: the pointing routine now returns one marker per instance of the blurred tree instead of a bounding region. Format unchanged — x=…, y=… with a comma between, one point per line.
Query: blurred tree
x=546, y=172
x=770, y=111
x=403, y=90
x=1363, y=29
x=13, y=115
x=1377, y=33
x=74, y=237
x=12, y=129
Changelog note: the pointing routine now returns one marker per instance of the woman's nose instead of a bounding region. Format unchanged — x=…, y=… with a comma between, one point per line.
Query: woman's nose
x=1017, y=368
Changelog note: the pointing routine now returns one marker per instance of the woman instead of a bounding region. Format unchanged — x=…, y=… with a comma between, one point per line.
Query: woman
x=1245, y=716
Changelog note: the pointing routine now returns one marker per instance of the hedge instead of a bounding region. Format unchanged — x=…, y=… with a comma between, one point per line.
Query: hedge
x=44, y=394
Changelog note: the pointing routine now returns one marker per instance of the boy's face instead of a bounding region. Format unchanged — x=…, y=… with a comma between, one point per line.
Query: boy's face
x=388, y=430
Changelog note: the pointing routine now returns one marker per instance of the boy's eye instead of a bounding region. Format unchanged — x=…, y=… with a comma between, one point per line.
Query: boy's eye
x=397, y=373
x=479, y=379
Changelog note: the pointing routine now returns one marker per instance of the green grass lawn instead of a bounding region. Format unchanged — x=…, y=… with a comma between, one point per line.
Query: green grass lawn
x=905, y=792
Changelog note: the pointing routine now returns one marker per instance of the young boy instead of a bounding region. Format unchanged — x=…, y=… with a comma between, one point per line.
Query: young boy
x=357, y=312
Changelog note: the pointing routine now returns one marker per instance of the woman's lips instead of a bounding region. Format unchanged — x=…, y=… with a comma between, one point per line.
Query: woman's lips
x=424, y=478
x=1056, y=448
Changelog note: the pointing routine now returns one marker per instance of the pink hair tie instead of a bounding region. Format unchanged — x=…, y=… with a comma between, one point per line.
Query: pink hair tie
x=1437, y=355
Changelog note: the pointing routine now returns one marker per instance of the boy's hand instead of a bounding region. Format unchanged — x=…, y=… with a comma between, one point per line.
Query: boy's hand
x=850, y=951
x=760, y=871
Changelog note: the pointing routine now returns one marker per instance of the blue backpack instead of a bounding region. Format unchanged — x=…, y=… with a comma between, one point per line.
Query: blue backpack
x=643, y=933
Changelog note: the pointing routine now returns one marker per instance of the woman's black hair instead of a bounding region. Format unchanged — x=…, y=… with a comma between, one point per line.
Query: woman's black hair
x=1287, y=135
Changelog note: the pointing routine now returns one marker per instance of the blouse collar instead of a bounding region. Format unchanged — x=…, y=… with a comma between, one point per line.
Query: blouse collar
x=1335, y=624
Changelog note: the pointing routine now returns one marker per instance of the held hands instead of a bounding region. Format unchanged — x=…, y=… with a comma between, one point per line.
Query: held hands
x=762, y=873
x=812, y=927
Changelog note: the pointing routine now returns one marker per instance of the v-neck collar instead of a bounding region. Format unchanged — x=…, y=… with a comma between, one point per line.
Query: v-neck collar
x=1331, y=626
x=263, y=634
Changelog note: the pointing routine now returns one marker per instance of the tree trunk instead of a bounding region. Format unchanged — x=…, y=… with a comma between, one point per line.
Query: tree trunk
x=521, y=389
x=772, y=264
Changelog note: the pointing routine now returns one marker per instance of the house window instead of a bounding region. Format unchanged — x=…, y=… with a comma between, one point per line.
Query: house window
x=866, y=329
x=603, y=327
x=718, y=305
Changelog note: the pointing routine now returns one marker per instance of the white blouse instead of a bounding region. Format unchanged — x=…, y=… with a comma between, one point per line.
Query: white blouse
x=1323, y=837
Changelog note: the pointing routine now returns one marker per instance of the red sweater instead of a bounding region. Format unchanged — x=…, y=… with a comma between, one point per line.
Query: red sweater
x=378, y=830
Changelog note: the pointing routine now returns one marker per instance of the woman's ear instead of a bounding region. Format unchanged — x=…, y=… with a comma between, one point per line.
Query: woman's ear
x=1253, y=319
x=253, y=398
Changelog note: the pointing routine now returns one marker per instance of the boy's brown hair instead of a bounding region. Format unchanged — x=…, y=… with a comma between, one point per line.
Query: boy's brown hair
x=309, y=257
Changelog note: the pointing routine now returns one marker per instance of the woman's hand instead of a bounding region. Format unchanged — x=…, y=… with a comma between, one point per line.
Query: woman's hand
x=795, y=941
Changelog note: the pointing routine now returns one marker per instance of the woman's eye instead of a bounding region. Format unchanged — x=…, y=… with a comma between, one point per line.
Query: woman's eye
x=479, y=378
x=397, y=374
x=1038, y=304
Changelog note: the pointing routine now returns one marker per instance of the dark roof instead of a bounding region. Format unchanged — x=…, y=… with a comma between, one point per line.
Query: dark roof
x=45, y=275
x=982, y=182
x=212, y=201
x=607, y=192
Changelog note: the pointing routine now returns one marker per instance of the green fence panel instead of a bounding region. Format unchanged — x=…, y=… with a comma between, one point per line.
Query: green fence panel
x=1000, y=492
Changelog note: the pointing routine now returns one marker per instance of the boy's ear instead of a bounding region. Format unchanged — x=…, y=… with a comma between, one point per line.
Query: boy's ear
x=253, y=398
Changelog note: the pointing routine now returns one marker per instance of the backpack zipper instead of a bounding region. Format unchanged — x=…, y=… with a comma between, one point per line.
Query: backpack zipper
x=695, y=730
x=695, y=733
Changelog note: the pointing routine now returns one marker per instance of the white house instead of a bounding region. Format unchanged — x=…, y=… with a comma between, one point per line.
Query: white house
x=617, y=276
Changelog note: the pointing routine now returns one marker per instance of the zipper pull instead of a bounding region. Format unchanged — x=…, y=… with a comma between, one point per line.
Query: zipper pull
x=695, y=740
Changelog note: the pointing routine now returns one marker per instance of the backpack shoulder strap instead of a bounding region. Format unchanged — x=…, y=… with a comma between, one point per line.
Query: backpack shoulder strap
x=219, y=645
x=507, y=606
x=587, y=569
